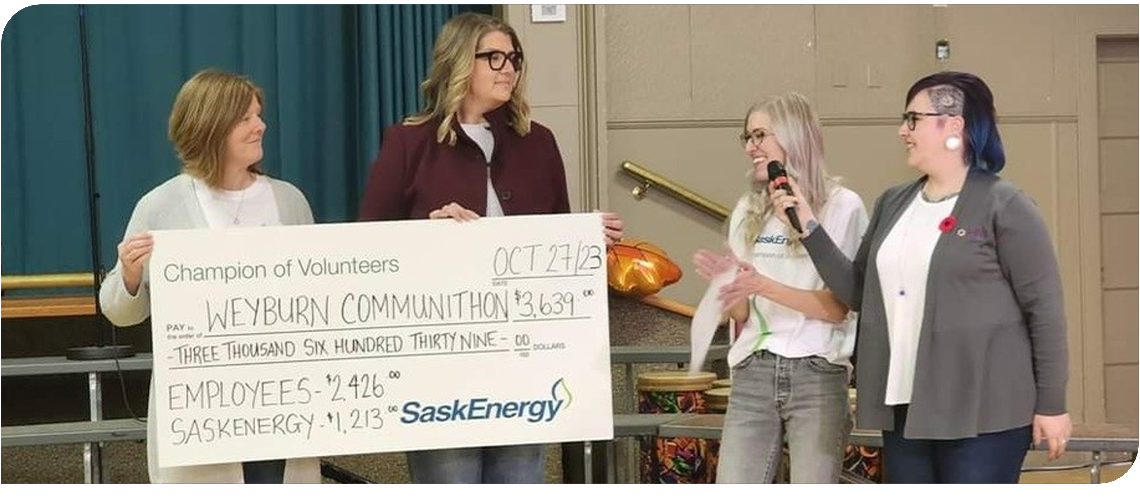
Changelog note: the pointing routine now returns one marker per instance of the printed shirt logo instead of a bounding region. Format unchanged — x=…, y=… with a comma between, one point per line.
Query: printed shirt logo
x=777, y=246
x=774, y=239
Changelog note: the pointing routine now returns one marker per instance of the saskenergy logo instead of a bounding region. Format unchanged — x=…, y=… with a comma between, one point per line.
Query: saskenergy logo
x=474, y=409
x=774, y=239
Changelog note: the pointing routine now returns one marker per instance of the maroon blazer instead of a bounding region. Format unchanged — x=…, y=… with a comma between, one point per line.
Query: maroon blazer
x=414, y=174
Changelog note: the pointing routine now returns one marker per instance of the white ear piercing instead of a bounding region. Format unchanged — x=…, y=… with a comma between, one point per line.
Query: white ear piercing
x=953, y=142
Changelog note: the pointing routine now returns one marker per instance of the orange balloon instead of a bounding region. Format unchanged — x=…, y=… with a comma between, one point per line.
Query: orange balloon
x=639, y=268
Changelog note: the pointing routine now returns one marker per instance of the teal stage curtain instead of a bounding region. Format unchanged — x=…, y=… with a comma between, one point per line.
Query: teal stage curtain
x=334, y=76
x=44, y=185
x=392, y=67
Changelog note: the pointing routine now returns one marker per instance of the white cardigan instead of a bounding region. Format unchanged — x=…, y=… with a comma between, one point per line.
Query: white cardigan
x=173, y=205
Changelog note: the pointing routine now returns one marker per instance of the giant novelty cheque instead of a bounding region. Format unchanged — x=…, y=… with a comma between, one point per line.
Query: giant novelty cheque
x=322, y=340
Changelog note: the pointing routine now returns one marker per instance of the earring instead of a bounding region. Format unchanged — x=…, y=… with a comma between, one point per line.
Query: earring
x=953, y=142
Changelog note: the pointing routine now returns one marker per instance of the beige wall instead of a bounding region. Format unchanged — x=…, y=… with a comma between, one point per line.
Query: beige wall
x=554, y=87
x=666, y=86
x=1117, y=131
x=678, y=79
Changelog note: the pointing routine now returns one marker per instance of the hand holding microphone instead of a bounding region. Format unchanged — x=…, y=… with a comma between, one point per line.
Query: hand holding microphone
x=786, y=197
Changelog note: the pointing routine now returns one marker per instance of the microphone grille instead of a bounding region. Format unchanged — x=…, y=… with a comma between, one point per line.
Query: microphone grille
x=776, y=169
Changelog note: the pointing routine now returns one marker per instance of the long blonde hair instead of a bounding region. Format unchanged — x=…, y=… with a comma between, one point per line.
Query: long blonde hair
x=453, y=61
x=206, y=110
x=796, y=127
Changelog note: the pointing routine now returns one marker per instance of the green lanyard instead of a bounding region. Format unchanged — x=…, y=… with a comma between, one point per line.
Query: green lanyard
x=764, y=332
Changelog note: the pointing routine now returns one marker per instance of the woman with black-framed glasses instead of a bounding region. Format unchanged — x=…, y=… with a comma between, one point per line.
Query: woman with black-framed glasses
x=473, y=151
x=910, y=118
x=963, y=359
x=793, y=339
x=497, y=59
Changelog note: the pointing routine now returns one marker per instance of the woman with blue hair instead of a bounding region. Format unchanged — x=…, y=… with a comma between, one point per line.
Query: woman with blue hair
x=962, y=355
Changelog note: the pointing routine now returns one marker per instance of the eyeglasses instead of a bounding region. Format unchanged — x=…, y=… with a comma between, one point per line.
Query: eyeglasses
x=497, y=59
x=911, y=117
x=756, y=137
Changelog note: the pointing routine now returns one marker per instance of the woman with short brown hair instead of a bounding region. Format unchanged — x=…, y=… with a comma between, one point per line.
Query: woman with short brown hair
x=217, y=131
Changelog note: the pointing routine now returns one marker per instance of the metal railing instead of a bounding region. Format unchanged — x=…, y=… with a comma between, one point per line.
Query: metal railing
x=647, y=179
x=39, y=281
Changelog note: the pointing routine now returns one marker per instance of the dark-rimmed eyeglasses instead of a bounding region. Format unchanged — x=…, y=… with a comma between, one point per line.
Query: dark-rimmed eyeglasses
x=912, y=117
x=497, y=59
x=756, y=137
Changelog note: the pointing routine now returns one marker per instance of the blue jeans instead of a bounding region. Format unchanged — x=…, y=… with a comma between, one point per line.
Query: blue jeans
x=987, y=458
x=272, y=471
x=506, y=464
x=773, y=397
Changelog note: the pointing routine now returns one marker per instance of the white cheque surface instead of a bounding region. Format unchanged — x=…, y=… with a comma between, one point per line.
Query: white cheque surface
x=334, y=339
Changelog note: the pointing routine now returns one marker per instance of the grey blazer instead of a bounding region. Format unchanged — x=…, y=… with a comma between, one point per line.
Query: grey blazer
x=992, y=350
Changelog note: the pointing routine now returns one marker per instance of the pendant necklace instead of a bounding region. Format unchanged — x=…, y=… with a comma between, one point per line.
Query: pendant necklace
x=902, y=248
x=241, y=201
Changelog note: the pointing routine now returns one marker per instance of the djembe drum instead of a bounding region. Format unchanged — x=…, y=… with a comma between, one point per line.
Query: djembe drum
x=681, y=459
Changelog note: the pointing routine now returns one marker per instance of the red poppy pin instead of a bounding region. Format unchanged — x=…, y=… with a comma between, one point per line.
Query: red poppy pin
x=947, y=224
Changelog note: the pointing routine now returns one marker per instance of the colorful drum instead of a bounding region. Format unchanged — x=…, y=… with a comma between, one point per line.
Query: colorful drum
x=866, y=462
x=723, y=383
x=716, y=399
x=682, y=459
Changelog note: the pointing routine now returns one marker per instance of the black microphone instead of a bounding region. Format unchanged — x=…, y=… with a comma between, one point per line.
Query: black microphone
x=779, y=176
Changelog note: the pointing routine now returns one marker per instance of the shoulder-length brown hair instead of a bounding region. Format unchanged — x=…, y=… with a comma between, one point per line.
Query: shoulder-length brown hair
x=449, y=80
x=206, y=110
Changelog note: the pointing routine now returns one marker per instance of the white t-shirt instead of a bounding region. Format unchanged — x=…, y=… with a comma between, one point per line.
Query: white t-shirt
x=253, y=206
x=792, y=334
x=481, y=134
x=904, y=264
